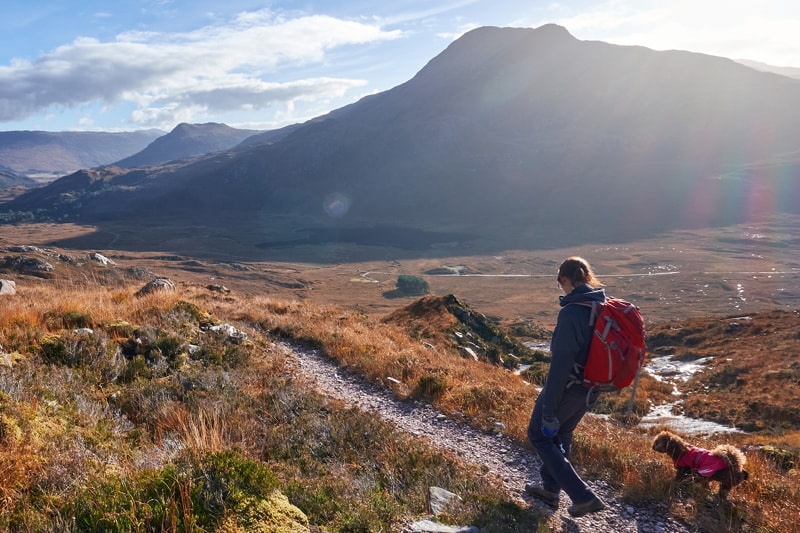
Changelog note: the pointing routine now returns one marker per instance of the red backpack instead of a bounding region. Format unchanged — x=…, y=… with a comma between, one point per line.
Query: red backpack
x=616, y=352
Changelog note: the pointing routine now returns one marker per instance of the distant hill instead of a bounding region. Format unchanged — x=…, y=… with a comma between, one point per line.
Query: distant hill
x=10, y=179
x=188, y=140
x=791, y=72
x=516, y=136
x=44, y=152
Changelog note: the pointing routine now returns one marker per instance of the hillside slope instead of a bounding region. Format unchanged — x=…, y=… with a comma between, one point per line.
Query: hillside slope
x=513, y=135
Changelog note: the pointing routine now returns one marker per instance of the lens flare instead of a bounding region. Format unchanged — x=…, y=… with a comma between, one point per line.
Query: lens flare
x=336, y=204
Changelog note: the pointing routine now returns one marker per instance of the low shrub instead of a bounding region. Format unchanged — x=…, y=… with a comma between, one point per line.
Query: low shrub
x=431, y=387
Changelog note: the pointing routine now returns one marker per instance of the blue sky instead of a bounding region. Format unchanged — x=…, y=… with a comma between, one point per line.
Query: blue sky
x=136, y=64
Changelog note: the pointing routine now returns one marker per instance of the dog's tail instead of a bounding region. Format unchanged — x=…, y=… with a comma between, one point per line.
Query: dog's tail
x=733, y=456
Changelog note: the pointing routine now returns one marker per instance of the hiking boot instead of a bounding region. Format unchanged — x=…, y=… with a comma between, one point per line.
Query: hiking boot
x=541, y=493
x=592, y=506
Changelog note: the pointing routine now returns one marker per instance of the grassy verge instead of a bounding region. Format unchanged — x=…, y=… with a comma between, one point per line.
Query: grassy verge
x=120, y=413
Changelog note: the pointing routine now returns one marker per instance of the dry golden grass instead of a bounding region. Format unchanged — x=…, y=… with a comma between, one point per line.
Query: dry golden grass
x=429, y=368
x=61, y=430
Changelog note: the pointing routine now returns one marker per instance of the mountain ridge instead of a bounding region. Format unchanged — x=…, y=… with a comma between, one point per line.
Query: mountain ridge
x=509, y=132
x=188, y=140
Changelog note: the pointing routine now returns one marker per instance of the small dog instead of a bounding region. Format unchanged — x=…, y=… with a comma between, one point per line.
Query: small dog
x=724, y=464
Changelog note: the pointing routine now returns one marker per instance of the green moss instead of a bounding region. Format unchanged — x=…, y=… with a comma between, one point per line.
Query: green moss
x=69, y=319
x=54, y=350
x=272, y=515
x=119, y=329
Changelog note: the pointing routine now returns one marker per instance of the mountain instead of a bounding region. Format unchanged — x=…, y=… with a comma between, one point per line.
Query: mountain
x=59, y=153
x=188, y=140
x=522, y=137
x=10, y=179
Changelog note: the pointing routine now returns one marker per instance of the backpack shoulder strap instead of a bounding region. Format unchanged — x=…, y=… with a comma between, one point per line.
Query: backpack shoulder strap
x=595, y=306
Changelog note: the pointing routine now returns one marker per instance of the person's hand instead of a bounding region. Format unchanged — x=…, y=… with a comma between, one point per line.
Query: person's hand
x=549, y=426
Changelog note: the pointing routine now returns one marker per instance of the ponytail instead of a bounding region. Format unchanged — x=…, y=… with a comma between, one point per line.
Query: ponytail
x=577, y=270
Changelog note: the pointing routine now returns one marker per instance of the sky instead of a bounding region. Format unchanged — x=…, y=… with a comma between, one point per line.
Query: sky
x=97, y=65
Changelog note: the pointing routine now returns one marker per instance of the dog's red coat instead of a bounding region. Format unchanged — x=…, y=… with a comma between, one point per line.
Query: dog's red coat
x=701, y=461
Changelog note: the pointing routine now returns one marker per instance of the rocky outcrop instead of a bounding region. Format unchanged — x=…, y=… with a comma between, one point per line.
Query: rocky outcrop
x=25, y=264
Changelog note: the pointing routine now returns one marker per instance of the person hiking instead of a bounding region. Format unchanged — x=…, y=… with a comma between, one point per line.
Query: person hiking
x=563, y=400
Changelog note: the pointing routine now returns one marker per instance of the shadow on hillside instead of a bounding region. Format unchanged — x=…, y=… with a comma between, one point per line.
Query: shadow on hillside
x=404, y=238
x=397, y=293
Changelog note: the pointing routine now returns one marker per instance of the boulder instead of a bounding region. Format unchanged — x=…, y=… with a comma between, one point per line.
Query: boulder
x=157, y=285
x=100, y=258
x=235, y=335
x=218, y=288
x=8, y=287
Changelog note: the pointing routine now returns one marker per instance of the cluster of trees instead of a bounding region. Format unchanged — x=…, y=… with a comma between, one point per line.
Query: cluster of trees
x=412, y=285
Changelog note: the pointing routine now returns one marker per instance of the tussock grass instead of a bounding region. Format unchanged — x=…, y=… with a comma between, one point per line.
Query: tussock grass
x=153, y=422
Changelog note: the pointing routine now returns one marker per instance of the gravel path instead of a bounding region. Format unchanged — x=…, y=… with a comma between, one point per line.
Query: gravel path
x=495, y=453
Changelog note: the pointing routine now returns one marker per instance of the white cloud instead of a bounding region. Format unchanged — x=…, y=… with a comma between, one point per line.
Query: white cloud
x=174, y=76
x=736, y=29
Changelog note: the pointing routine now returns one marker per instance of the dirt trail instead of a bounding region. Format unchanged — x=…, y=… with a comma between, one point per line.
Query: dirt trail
x=498, y=455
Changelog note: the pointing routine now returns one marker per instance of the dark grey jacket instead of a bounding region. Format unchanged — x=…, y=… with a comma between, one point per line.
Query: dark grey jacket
x=570, y=344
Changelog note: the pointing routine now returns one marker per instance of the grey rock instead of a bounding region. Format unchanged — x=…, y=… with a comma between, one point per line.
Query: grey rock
x=231, y=332
x=8, y=287
x=439, y=499
x=158, y=284
x=100, y=258
x=469, y=353
x=28, y=265
x=428, y=526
